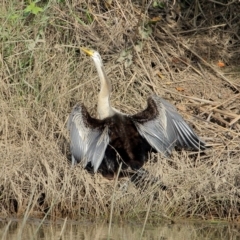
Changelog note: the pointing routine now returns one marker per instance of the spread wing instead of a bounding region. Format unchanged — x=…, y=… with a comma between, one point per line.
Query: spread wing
x=89, y=137
x=163, y=127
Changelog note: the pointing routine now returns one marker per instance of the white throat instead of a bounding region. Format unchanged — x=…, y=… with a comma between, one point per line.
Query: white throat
x=104, y=106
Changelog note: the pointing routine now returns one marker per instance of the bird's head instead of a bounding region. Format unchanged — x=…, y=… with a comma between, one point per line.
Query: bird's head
x=93, y=54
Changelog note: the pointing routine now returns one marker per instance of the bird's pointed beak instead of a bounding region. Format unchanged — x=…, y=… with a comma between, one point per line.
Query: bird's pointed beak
x=88, y=51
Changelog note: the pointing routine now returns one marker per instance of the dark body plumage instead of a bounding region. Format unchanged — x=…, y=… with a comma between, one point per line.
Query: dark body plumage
x=129, y=138
x=126, y=145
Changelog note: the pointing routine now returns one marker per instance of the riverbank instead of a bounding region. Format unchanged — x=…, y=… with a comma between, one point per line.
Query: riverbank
x=191, y=62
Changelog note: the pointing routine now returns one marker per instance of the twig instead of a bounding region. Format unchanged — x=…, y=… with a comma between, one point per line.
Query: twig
x=210, y=66
x=146, y=218
x=228, y=23
x=27, y=212
x=143, y=65
x=46, y=215
x=225, y=113
x=231, y=115
x=166, y=62
x=112, y=202
x=223, y=4
x=204, y=61
x=63, y=228
x=204, y=74
x=220, y=119
x=190, y=65
x=213, y=109
x=228, y=100
x=6, y=230
x=201, y=29
x=234, y=120
x=193, y=98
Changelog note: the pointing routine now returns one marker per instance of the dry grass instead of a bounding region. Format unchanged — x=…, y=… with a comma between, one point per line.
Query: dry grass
x=42, y=78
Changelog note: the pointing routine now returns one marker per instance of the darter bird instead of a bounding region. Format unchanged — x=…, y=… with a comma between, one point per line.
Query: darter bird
x=102, y=144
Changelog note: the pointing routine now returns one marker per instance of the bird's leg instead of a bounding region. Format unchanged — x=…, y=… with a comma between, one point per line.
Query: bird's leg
x=143, y=177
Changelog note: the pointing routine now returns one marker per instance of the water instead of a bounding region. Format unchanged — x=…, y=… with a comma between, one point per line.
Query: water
x=99, y=231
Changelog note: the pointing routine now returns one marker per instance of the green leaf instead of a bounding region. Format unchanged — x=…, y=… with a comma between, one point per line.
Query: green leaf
x=36, y=10
x=158, y=4
x=32, y=8
x=161, y=4
x=29, y=7
x=14, y=16
x=155, y=4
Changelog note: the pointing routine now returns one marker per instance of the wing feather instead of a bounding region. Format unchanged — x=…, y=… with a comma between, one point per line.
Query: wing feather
x=89, y=137
x=163, y=127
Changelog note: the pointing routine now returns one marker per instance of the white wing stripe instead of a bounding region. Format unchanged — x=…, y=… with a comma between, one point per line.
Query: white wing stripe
x=87, y=144
x=167, y=129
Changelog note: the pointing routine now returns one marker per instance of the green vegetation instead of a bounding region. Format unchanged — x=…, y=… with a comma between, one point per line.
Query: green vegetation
x=33, y=8
x=43, y=74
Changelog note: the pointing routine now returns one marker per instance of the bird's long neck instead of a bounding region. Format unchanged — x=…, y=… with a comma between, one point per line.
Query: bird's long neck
x=104, y=106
